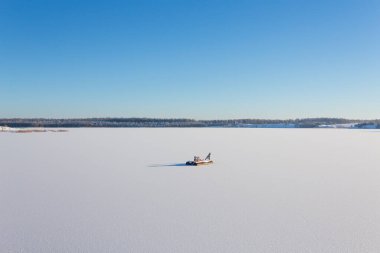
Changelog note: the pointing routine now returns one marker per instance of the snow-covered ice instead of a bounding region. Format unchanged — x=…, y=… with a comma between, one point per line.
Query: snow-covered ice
x=124, y=190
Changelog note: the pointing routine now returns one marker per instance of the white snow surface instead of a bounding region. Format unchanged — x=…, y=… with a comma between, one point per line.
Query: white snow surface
x=126, y=190
x=6, y=129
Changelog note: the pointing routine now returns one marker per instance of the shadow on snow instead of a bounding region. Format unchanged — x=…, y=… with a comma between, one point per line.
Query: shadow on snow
x=169, y=165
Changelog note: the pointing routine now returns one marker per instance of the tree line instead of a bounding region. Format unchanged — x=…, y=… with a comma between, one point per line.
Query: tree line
x=179, y=122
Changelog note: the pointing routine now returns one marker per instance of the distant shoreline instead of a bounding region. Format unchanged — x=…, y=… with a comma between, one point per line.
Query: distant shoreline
x=188, y=123
x=30, y=130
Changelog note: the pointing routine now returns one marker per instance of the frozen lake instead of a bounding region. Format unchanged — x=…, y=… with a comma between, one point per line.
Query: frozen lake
x=117, y=190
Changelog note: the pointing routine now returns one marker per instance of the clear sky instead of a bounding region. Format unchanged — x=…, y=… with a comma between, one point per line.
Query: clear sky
x=192, y=59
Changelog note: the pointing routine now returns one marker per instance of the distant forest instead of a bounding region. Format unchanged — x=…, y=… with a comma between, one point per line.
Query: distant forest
x=152, y=122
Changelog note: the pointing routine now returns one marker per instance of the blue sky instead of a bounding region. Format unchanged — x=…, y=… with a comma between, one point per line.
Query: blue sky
x=190, y=59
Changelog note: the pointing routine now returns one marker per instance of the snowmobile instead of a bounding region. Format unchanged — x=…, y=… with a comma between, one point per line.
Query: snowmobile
x=198, y=161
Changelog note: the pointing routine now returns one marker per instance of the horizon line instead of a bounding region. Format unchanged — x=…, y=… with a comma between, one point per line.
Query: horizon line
x=181, y=118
